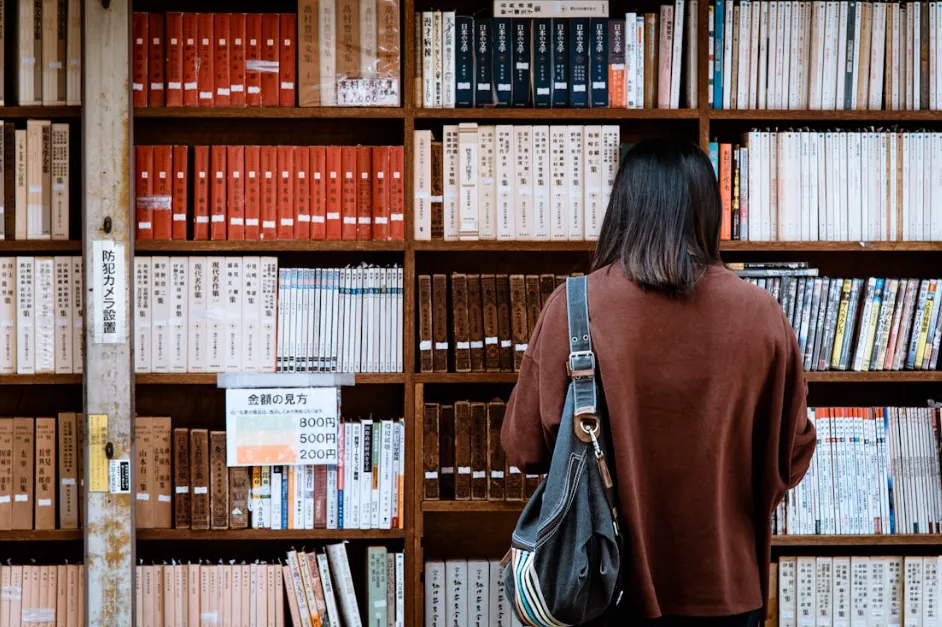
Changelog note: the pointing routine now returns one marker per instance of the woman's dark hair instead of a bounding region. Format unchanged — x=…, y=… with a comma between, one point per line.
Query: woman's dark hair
x=663, y=219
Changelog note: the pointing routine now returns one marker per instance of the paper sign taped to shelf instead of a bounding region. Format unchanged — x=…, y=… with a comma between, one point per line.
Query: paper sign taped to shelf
x=109, y=292
x=282, y=426
x=98, y=468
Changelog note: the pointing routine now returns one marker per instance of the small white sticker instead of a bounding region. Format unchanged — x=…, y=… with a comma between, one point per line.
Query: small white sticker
x=119, y=476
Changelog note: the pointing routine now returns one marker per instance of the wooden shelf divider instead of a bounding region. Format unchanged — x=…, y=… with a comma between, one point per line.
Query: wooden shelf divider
x=269, y=113
x=319, y=535
x=209, y=378
x=264, y=246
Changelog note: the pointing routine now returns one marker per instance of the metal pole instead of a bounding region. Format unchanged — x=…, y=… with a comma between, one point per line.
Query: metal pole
x=109, y=387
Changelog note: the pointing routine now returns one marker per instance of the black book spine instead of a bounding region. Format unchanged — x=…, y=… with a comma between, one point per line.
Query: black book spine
x=484, y=85
x=542, y=63
x=598, y=63
x=501, y=57
x=464, y=61
x=561, y=63
x=521, y=62
x=579, y=62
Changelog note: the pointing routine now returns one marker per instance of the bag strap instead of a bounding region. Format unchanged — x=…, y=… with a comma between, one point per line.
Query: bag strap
x=581, y=362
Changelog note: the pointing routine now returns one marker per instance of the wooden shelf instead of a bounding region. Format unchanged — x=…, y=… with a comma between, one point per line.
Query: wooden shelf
x=860, y=540
x=903, y=376
x=40, y=379
x=466, y=377
x=269, y=113
x=209, y=378
x=41, y=113
x=854, y=247
x=504, y=246
x=824, y=116
x=266, y=246
x=37, y=246
x=42, y=535
x=268, y=534
x=472, y=506
x=508, y=113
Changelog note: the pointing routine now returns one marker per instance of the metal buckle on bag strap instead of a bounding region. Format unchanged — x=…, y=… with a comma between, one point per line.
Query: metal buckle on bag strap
x=577, y=367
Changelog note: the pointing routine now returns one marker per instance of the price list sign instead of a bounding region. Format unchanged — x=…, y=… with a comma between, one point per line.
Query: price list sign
x=275, y=426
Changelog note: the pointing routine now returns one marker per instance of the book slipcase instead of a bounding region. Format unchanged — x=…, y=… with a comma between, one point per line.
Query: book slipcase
x=437, y=530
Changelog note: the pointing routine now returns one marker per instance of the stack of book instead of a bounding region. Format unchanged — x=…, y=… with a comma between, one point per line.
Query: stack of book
x=48, y=57
x=875, y=471
x=41, y=316
x=340, y=319
x=824, y=55
x=842, y=590
x=855, y=324
x=547, y=57
x=182, y=481
x=463, y=457
x=492, y=318
x=270, y=192
x=40, y=477
x=514, y=182
x=34, y=178
x=830, y=186
x=468, y=593
x=43, y=595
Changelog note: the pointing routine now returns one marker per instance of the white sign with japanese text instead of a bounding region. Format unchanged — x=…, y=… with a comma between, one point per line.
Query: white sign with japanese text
x=282, y=426
x=109, y=292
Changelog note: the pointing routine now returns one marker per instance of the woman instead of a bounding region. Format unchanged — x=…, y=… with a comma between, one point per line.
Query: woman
x=705, y=392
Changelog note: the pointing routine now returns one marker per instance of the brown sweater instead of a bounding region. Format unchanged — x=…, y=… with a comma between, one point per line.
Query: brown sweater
x=706, y=399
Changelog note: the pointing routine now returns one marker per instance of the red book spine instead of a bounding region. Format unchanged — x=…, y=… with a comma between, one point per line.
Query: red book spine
x=217, y=193
x=252, y=191
x=191, y=59
x=162, y=185
x=205, y=52
x=221, y=58
x=253, y=60
x=286, y=206
x=397, y=227
x=174, y=73
x=269, y=206
x=288, y=62
x=333, y=192
x=237, y=59
x=318, y=180
x=156, y=96
x=179, y=192
x=144, y=209
x=380, y=193
x=364, y=193
x=139, y=25
x=320, y=497
x=302, y=192
x=201, y=192
x=270, y=55
x=348, y=192
x=235, y=160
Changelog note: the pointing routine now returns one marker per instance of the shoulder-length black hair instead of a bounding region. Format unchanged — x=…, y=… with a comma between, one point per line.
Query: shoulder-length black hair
x=663, y=219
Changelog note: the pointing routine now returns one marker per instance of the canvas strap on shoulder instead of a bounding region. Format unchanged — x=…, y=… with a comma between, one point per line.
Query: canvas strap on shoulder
x=581, y=362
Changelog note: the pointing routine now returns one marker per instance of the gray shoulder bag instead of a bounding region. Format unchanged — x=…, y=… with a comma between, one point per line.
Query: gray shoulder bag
x=565, y=555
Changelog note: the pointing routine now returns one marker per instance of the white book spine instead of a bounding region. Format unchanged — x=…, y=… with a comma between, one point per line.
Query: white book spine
x=898, y=30
x=44, y=315
x=400, y=590
x=423, y=185
x=745, y=47
x=143, y=290
x=487, y=189
x=541, y=184
x=830, y=53
x=386, y=473
x=842, y=61
x=332, y=506
x=762, y=100
x=593, y=181
x=639, y=60
x=355, y=452
x=786, y=28
x=340, y=568
x=912, y=586
x=78, y=316
x=366, y=474
x=216, y=298
x=504, y=175
x=728, y=86
x=787, y=592
x=251, y=314
x=428, y=60
x=468, y=190
x=268, y=275
x=233, y=361
x=575, y=165
x=817, y=36
x=630, y=62
x=435, y=598
x=450, y=181
x=437, y=60
x=8, y=315
x=478, y=592
x=197, y=339
x=63, y=315
x=25, y=310
x=328, y=586
x=523, y=182
x=754, y=71
x=559, y=182
x=448, y=59
x=610, y=145
x=676, y=55
x=456, y=593
x=805, y=584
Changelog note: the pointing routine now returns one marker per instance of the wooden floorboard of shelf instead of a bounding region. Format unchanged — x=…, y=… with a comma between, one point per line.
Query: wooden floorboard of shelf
x=904, y=376
x=508, y=113
x=472, y=506
x=41, y=535
x=35, y=246
x=727, y=246
x=41, y=113
x=888, y=540
x=265, y=246
x=824, y=116
x=40, y=379
x=269, y=534
x=209, y=378
x=256, y=113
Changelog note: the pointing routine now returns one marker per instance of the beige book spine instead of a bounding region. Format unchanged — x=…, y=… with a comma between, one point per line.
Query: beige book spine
x=261, y=594
x=60, y=182
x=20, y=196
x=35, y=591
x=227, y=573
x=193, y=602
x=179, y=595
x=23, y=467
x=27, y=594
x=3, y=55
x=246, y=596
x=45, y=473
x=6, y=584
x=17, y=592
x=168, y=595
x=6, y=474
x=270, y=586
x=73, y=86
x=26, y=60
x=162, y=484
x=138, y=596
x=68, y=477
x=279, y=595
x=205, y=603
x=62, y=595
x=73, y=572
x=34, y=179
x=81, y=598
x=46, y=165
x=213, y=602
x=235, y=614
x=292, y=598
x=52, y=64
x=309, y=87
x=149, y=615
x=158, y=595
x=143, y=480
x=37, y=48
x=47, y=596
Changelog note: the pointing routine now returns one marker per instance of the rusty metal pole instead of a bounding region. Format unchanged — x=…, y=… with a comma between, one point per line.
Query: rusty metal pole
x=107, y=251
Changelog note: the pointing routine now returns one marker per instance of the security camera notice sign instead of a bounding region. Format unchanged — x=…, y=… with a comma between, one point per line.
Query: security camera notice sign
x=282, y=426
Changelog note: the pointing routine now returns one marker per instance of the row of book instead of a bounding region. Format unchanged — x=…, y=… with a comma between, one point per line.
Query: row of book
x=42, y=595
x=182, y=481
x=41, y=316
x=48, y=53
x=327, y=54
x=834, y=591
x=34, y=175
x=269, y=192
x=517, y=182
x=821, y=54
x=875, y=471
x=340, y=319
x=467, y=593
x=40, y=478
x=492, y=317
x=636, y=61
x=859, y=324
x=830, y=186
x=462, y=456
